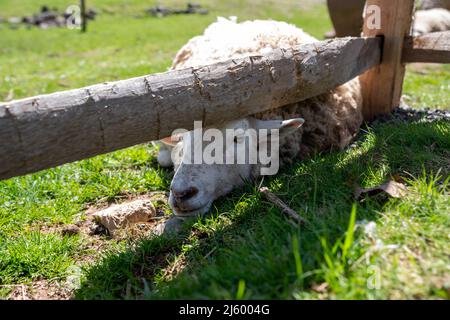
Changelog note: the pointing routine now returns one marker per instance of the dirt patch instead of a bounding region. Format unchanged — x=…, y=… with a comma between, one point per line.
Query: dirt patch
x=40, y=290
x=175, y=268
x=89, y=221
x=87, y=227
x=95, y=240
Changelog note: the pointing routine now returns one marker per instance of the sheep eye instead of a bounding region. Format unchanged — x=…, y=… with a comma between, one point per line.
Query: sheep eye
x=238, y=139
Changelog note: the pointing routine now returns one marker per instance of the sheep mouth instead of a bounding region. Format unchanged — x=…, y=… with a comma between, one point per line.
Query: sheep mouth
x=189, y=213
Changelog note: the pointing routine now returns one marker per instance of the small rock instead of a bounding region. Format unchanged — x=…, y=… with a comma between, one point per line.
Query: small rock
x=70, y=230
x=97, y=229
x=173, y=225
x=125, y=214
x=202, y=11
x=405, y=113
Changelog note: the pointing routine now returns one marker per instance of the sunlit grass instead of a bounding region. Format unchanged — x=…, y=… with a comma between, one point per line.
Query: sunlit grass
x=245, y=248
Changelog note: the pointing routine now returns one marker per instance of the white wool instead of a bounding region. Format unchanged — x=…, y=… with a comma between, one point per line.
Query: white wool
x=430, y=4
x=433, y=20
x=226, y=38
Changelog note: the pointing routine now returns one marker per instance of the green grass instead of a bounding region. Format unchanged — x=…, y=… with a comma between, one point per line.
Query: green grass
x=117, y=46
x=245, y=240
x=35, y=255
x=427, y=86
x=245, y=248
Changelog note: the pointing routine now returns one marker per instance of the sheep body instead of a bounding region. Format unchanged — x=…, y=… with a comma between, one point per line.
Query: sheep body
x=433, y=20
x=431, y=4
x=332, y=118
x=227, y=39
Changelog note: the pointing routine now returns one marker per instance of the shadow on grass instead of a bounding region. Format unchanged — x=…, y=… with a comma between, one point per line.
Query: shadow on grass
x=252, y=243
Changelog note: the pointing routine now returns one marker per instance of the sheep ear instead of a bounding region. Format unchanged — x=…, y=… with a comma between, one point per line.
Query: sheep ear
x=291, y=125
x=286, y=127
x=172, y=140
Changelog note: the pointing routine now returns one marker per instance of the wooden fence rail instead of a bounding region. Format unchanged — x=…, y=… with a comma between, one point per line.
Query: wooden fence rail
x=49, y=130
x=432, y=47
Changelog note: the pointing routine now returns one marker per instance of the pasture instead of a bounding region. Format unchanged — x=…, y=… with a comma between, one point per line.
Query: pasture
x=244, y=248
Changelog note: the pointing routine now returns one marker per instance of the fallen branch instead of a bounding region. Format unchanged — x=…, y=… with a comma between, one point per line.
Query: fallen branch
x=280, y=204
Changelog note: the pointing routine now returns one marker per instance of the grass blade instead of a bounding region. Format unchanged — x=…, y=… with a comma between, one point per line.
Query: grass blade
x=349, y=236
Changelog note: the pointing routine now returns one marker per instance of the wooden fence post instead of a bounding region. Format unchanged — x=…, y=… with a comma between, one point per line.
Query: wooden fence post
x=382, y=85
x=346, y=17
x=83, y=15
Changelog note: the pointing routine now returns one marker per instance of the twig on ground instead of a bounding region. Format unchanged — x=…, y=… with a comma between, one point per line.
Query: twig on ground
x=280, y=204
x=24, y=296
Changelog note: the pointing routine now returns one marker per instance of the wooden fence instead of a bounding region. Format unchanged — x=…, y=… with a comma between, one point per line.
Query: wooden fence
x=49, y=130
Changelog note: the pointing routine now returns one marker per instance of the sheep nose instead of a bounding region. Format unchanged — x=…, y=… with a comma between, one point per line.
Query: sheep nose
x=183, y=195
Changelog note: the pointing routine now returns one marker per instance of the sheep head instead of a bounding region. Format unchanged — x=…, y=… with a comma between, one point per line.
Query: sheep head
x=210, y=162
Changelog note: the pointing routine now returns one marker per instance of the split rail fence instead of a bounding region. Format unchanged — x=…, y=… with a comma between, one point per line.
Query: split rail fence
x=49, y=130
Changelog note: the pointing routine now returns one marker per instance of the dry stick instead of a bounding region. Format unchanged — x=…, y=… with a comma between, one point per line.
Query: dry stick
x=23, y=292
x=280, y=204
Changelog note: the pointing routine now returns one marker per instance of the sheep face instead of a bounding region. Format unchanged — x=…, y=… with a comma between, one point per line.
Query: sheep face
x=209, y=163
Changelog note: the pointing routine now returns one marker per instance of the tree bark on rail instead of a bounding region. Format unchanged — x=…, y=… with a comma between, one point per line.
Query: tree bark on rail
x=49, y=130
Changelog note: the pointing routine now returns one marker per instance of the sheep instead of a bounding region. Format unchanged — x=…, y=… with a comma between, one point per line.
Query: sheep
x=328, y=122
x=432, y=20
x=432, y=4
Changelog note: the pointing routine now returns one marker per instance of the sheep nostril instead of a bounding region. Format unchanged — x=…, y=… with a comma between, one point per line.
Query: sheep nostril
x=185, y=194
x=192, y=192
